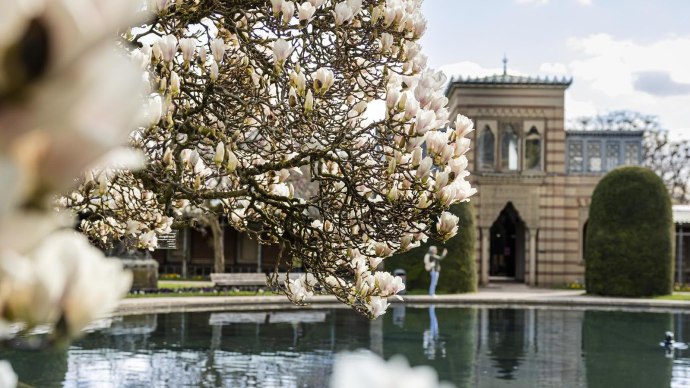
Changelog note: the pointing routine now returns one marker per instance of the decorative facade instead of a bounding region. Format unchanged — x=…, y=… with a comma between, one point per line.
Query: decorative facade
x=534, y=178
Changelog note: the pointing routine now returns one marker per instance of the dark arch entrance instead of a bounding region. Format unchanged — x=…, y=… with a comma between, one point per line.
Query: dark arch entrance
x=507, y=250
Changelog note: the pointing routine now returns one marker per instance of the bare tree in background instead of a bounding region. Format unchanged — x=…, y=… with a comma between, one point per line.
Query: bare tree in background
x=668, y=158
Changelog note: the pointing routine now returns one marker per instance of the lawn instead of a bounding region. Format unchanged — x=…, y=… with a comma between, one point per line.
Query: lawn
x=675, y=296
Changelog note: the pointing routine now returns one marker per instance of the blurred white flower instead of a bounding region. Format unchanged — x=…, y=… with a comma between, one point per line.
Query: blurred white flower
x=8, y=379
x=366, y=369
x=63, y=278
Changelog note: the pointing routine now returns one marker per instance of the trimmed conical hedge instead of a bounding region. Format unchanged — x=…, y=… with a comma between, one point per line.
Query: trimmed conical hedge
x=458, y=269
x=629, y=239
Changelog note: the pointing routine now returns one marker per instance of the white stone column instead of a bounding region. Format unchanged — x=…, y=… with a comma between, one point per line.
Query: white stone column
x=532, y=257
x=484, y=274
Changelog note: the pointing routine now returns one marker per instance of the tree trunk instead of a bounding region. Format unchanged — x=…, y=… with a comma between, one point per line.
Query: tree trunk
x=218, y=249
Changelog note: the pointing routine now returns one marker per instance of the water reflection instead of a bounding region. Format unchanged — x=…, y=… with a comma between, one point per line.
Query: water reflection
x=470, y=347
x=432, y=343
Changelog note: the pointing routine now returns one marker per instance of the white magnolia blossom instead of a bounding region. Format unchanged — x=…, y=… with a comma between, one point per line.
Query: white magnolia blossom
x=61, y=280
x=447, y=225
x=8, y=379
x=366, y=369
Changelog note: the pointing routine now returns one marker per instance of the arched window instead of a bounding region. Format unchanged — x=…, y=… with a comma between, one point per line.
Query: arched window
x=509, y=149
x=533, y=150
x=486, y=149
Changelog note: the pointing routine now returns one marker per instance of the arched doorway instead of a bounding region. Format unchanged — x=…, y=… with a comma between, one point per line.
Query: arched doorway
x=507, y=245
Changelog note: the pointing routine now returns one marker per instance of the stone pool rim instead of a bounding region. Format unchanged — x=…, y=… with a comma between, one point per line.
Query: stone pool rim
x=559, y=299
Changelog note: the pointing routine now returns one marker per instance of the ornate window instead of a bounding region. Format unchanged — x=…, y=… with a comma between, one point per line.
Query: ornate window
x=533, y=150
x=594, y=156
x=613, y=153
x=509, y=149
x=575, y=156
x=485, y=146
x=632, y=154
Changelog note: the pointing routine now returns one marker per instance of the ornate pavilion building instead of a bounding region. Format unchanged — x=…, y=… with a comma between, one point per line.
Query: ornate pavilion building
x=534, y=178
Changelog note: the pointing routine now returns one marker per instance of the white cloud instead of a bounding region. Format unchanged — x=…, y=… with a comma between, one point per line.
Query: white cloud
x=584, y=2
x=622, y=74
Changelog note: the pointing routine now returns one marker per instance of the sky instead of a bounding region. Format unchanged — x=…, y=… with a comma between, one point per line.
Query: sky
x=622, y=54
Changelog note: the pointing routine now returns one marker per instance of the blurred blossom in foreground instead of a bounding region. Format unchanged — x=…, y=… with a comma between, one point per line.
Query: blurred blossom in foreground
x=68, y=96
x=8, y=379
x=365, y=369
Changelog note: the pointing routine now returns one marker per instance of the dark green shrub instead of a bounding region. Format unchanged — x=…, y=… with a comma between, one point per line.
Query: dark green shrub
x=629, y=240
x=458, y=269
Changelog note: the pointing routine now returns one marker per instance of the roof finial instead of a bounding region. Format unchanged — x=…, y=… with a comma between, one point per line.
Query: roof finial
x=505, y=64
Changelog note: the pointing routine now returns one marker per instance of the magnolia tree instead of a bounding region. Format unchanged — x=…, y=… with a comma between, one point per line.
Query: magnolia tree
x=247, y=95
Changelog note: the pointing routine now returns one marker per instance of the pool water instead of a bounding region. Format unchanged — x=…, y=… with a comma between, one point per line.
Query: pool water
x=471, y=347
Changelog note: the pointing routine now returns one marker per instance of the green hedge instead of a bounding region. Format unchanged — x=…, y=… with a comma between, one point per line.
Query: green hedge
x=458, y=269
x=629, y=240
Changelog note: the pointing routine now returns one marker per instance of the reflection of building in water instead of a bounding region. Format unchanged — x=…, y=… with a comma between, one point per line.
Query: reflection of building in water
x=529, y=348
x=267, y=349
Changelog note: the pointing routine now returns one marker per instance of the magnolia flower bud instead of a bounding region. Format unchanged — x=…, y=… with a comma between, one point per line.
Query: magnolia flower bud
x=323, y=80
x=168, y=157
x=168, y=47
x=299, y=81
x=447, y=225
x=218, y=49
x=292, y=96
x=231, y=165
x=423, y=202
x=386, y=42
x=203, y=55
x=411, y=108
x=214, y=71
x=381, y=249
x=188, y=48
x=405, y=242
x=174, y=83
x=424, y=169
x=281, y=51
x=342, y=13
x=277, y=6
x=376, y=15
x=155, y=110
x=392, y=97
x=309, y=102
x=393, y=194
x=220, y=154
x=305, y=12
x=102, y=183
x=391, y=166
x=416, y=157
x=288, y=10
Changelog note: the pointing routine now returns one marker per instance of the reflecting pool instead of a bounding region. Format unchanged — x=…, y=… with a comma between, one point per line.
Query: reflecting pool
x=484, y=347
